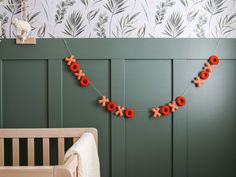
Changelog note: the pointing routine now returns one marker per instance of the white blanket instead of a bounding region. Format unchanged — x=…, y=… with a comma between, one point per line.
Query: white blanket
x=86, y=149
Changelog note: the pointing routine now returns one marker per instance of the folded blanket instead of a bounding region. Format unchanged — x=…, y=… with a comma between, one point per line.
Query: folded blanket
x=86, y=150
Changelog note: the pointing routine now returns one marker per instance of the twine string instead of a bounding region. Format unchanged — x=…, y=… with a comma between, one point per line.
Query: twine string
x=67, y=47
x=96, y=89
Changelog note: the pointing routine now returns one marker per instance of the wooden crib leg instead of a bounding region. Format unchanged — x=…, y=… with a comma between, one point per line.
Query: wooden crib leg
x=1, y=152
x=61, y=171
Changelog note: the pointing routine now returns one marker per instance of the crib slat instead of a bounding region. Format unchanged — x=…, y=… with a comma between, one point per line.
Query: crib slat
x=30, y=152
x=15, y=151
x=46, y=155
x=61, y=150
x=1, y=152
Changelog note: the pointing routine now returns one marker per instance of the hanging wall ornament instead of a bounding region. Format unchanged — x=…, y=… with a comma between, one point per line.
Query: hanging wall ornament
x=22, y=26
x=23, y=29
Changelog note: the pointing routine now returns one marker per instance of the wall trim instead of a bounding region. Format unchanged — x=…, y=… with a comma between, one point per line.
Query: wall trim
x=117, y=125
x=55, y=97
x=120, y=48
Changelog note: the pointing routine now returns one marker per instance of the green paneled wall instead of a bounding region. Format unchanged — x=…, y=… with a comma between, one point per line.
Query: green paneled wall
x=37, y=90
x=24, y=88
x=144, y=89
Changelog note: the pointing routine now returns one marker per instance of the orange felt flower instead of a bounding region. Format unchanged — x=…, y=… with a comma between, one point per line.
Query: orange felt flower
x=119, y=111
x=208, y=67
x=79, y=74
x=198, y=82
x=70, y=60
x=173, y=106
x=156, y=112
x=103, y=101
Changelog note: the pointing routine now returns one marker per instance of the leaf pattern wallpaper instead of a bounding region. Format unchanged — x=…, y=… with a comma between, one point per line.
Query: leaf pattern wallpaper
x=123, y=18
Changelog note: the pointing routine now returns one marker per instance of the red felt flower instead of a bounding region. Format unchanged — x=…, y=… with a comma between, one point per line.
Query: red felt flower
x=129, y=113
x=204, y=75
x=74, y=67
x=214, y=60
x=84, y=82
x=180, y=101
x=165, y=110
x=111, y=106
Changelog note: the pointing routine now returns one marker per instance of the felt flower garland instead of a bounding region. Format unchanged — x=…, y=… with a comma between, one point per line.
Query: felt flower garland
x=207, y=69
x=118, y=110
x=129, y=113
x=169, y=108
x=75, y=68
x=181, y=101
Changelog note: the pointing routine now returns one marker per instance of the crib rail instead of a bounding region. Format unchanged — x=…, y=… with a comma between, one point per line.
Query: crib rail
x=45, y=134
x=27, y=171
x=69, y=169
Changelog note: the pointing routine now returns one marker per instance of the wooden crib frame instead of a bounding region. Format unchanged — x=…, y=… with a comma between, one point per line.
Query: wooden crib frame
x=67, y=169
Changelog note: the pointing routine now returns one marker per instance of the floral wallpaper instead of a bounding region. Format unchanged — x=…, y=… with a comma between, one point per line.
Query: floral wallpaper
x=123, y=18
